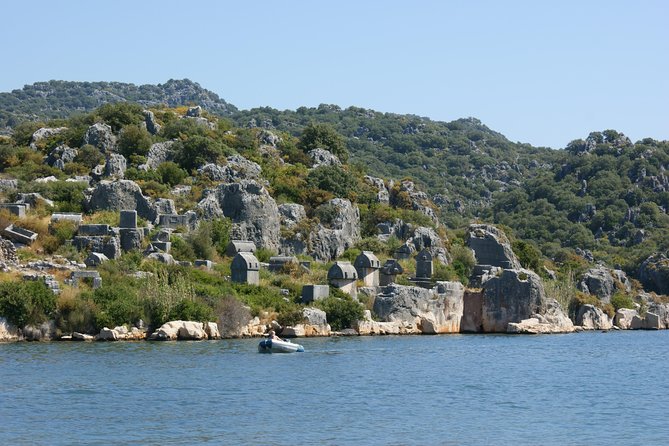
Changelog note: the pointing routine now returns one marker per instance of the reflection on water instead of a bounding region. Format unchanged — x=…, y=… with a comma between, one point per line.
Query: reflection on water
x=450, y=390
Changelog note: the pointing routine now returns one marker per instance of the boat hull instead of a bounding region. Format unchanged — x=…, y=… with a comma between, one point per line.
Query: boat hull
x=274, y=346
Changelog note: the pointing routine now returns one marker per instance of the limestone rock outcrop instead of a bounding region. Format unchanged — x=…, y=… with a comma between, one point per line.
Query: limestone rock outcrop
x=60, y=156
x=291, y=214
x=432, y=311
x=331, y=238
x=491, y=247
x=511, y=296
x=8, y=332
x=101, y=136
x=322, y=157
x=237, y=168
x=159, y=152
x=624, y=318
x=382, y=196
x=662, y=312
x=552, y=320
x=603, y=282
x=117, y=196
x=150, y=122
x=44, y=133
x=654, y=273
x=592, y=318
x=181, y=330
x=121, y=333
x=115, y=166
x=254, y=213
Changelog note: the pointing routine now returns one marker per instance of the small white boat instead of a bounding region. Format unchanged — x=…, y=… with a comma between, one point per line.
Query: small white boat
x=278, y=346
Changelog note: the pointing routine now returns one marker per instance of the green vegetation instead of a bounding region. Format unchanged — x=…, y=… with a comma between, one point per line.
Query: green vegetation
x=24, y=303
x=342, y=309
x=604, y=194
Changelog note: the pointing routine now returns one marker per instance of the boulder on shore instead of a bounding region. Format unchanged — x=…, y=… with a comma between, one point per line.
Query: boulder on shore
x=432, y=311
x=182, y=331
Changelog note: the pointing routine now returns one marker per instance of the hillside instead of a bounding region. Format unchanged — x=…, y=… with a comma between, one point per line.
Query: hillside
x=603, y=193
x=61, y=99
x=324, y=184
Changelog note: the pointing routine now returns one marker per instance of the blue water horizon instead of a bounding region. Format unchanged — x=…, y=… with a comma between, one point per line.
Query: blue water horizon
x=588, y=388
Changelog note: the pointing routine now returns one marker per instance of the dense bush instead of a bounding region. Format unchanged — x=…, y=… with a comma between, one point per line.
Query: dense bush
x=134, y=140
x=197, y=151
x=621, y=299
x=120, y=114
x=118, y=303
x=323, y=136
x=26, y=303
x=341, y=309
x=170, y=173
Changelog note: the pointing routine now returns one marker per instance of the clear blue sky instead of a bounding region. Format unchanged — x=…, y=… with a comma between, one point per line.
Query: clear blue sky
x=542, y=72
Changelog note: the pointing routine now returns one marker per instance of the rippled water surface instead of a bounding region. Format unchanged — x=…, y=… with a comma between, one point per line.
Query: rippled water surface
x=580, y=389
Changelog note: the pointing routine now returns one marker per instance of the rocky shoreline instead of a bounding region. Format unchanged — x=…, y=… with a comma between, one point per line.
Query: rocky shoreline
x=592, y=319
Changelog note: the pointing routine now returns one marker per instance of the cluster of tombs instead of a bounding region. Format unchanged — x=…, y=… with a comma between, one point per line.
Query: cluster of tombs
x=104, y=242
x=343, y=275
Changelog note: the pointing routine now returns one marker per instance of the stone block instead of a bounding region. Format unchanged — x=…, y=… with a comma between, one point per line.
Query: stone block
x=128, y=219
x=163, y=246
x=20, y=235
x=95, y=259
x=131, y=238
x=95, y=230
x=74, y=218
x=312, y=293
x=17, y=209
x=208, y=264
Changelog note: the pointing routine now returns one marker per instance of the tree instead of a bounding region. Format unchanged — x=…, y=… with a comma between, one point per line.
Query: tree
x=120, y=114
x=198, y=150
x=323, y=136
x=170, y=173
x=134, y=140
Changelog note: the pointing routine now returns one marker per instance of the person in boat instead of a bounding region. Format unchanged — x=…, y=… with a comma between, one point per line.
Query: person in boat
x=272, y=335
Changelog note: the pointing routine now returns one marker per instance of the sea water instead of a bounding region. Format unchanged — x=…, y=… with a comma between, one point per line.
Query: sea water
x=577, y=389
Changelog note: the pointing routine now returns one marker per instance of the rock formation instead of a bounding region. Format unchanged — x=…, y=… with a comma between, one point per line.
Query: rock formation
x=654, y=273
x=592, y=318
x=254, y=213
x=431, y=311
x=330, y=239
x=491, y=247
x=101, y=136
x=119, y=195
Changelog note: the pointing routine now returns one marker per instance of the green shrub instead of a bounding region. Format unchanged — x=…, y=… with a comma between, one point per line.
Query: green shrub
x=120, y=114
x=183, y=128
x=118, y=303
x=76, y=314
x=290, y=316
x=332, y=179
x=198, y=150
x=201, y=242
x=341, y=309
x=182, y=250
x=191, y=310
x=263, y=254
x=220, y=234
x=170, y=173
x=232, y=316
x=24, y=303
x=622, y=300
x=134, y=140
x=323, y=136
x=528, y=255
x=463, y=262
